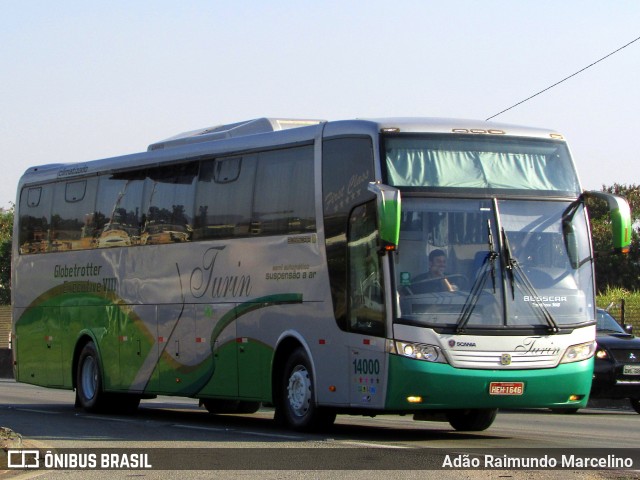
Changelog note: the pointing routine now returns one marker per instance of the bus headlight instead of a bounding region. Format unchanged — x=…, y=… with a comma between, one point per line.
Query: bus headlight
x=418, y=351
x=577, y=353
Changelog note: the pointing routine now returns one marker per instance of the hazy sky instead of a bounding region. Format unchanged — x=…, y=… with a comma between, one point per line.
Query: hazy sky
x=82, y=80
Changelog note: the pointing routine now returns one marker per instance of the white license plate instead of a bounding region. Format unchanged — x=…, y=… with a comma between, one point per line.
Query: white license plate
x=631, y=370
x=506, y=388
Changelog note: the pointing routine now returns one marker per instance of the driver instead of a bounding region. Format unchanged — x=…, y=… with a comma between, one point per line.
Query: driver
x=437, y=266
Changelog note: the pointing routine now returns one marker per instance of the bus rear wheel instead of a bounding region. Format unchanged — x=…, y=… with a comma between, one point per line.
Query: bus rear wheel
x=296, y=407
x=473, y=420
x=89, y=393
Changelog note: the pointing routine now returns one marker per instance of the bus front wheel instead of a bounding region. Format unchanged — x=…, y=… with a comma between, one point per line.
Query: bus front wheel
x=89, y=380
x=473, y=420
x=296, y=407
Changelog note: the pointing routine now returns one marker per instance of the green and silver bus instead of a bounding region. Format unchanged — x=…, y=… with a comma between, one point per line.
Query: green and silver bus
x=287, y=262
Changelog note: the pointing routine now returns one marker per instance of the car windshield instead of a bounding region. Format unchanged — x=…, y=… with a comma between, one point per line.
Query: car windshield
x=606, y=323
x=489, y=263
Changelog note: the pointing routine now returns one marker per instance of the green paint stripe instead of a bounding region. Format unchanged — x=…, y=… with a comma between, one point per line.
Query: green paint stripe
x=248, y=307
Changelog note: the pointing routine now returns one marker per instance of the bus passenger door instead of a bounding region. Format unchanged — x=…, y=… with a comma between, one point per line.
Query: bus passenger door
x=137, y=352
x=253, y=359
x=366, y=310
x=177, y=363
x=216, y=327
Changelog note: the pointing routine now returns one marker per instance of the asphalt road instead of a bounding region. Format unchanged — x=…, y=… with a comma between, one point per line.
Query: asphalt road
x=238, y=446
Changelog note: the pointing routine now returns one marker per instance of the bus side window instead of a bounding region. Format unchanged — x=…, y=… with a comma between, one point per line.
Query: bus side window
x=169, y=204
x=72, y=218
x=284, y=196
x=35, y=217
x=366, y=295
x=118, y=210
x=224, y=193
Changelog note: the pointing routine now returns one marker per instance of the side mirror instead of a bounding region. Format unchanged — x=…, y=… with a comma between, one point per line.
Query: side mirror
x=628, y=328
x=389, y=214
x=620, y=215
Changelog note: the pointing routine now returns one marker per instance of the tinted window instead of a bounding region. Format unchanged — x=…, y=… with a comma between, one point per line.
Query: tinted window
x=224, y=197
x=72, y=217
x=169, y=199
x=347, y=169
x=35, y=210
x=267, y=193
x=118, y=206
x=366, y=296
x=284, y=194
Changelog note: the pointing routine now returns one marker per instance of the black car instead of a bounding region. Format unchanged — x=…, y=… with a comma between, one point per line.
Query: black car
x=617, y=366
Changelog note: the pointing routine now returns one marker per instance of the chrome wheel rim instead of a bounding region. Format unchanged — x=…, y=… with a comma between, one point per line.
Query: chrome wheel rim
x=299, y=391
x=89, y=377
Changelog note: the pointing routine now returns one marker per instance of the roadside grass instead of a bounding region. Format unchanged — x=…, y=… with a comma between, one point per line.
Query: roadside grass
x=613, y=298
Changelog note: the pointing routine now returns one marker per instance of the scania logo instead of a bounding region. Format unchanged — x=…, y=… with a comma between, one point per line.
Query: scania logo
x=453, y=343
x=505, y=359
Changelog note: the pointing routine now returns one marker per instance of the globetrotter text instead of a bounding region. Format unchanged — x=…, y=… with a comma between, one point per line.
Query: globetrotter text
x=75, y=270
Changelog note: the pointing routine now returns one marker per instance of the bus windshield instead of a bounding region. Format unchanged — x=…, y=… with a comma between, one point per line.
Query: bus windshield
x=496, y=264
x=479, y=162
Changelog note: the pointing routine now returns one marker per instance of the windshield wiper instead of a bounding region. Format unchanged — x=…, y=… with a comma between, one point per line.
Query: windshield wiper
x=488, y=266
x=510, y=264
x=512, y=268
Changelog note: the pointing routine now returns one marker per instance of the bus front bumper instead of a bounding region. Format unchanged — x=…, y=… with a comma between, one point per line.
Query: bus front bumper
x=418, y=385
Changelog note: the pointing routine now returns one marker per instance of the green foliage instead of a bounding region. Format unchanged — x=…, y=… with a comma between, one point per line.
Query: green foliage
x=6, y=231
x=614, y=295
x=621, y=271
x=612, y=299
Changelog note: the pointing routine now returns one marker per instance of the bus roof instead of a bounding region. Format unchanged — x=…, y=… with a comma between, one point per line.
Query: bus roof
x=456, y=125
x=267, y=132
x=238, y=129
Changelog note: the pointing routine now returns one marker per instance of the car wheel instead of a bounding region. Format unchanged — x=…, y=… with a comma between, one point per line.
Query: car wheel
x=635, y=404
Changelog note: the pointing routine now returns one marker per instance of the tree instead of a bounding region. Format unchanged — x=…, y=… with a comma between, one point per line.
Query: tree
x=615, y=270
x=6, y=231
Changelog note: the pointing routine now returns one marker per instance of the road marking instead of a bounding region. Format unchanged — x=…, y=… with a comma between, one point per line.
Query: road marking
x=108, y=419
x=240, y=432
x=33, y=410
x=371, y=445
x=275, y=435
x=209, y=429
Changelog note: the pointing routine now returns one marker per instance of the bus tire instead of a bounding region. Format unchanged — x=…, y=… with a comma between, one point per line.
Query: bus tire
x=635, y=404
x=296, y=406
x=89, y=392
x=473, y=420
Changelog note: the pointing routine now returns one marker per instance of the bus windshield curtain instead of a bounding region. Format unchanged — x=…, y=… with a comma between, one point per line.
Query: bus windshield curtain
x=460, y=169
